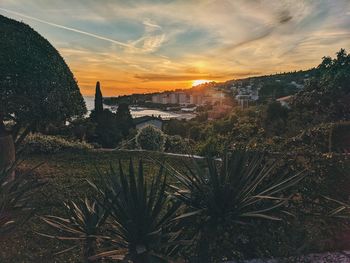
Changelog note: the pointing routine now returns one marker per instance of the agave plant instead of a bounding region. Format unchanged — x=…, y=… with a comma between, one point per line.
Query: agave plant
x=85, y=219
x=141, y=216
x=15, y=194
x=236, y=189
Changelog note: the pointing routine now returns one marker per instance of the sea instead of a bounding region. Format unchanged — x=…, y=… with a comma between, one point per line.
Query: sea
x=141, y=111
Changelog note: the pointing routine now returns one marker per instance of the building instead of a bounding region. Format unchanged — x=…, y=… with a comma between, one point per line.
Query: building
x=164, y=99
x=156, y=98
x=196, y=99
x=183, y=98
x=148, y=120
x=174, y=98
x=244, y=100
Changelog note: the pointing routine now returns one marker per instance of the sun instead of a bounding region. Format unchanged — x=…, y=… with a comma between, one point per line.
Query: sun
x=199, y=81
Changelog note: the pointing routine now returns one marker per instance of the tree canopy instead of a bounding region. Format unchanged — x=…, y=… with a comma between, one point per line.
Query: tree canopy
x=327, y=95
x=37, y=87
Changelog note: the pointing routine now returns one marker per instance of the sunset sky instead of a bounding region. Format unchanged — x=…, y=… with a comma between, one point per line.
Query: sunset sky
x=145, y=46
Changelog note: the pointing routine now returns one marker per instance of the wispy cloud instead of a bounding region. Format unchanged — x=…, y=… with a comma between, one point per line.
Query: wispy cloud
x=149, y=45
x=68, y=28
x=152, y=39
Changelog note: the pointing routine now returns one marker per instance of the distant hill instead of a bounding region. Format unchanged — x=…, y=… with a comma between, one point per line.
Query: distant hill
x=274, y=85
x=271, y=86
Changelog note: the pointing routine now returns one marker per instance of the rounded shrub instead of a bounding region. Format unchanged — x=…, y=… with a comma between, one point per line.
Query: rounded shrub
x=150, y=138
x=176, y=144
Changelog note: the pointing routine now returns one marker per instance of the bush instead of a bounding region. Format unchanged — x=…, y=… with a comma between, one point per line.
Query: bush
x=38, y=143
x=176, y=144
x=107, y=132
x=150, y=138
x=212, y=146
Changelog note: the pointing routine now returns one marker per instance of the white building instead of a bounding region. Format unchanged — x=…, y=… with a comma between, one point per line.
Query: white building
x=183, y=98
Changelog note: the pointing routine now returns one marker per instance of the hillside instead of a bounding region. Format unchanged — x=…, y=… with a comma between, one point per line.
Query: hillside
x=277, y=85
x=274, y=85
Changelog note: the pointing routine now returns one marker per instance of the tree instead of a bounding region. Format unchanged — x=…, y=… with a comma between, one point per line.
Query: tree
x=107, y=132
x=124, y=119
x=37, y=87
x=275, y=118
x=326, y=96
x=150, y=138
x=98, y=99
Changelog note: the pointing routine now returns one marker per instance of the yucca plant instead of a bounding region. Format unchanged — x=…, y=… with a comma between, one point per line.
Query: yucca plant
x=141, y=215
x=15, y=195
x=233, y=190
x=83, y=224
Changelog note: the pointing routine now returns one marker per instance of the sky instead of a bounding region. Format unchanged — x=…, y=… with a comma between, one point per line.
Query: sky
x=140, y=46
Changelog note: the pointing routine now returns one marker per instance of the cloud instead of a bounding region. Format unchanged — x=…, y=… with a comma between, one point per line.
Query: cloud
x=172, y=77
x=69, y=28
x=166, y=44
x=150, y=25
x=152, y=39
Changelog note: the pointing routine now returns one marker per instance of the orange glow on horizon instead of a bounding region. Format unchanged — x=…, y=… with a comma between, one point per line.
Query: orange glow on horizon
x=200, y=81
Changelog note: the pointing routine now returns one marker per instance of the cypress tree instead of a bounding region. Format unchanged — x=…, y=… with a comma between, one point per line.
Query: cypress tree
x=98, y=99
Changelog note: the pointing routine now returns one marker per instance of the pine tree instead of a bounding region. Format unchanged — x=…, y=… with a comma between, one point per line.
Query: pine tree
x=98, y=99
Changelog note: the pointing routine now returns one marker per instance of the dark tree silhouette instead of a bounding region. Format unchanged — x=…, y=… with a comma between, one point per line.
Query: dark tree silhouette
x=98, y=99
x=37, y=87
x=124, y=118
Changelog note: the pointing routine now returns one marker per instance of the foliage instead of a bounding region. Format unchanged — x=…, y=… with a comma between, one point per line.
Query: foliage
x=275, y=118
x=339, y=140
x=38, y=143
x=124, y=119
x=321, y=138
x=176, y=127
x=82, y=129
x=37, y=86
x=241, y=188
x=107, y=132
x=150, y=138
x=110, y=128
x=141, y=215
x=213, y=146
x=275, y=89
x=176, y=144
x=84, y=222
x=15, y=195
x=327, y=96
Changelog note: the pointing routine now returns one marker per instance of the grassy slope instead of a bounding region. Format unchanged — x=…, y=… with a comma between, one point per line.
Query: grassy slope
x=66, y=174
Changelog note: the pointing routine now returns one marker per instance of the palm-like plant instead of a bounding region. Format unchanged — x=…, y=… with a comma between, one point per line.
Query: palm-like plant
x=85, y=218
x=140, y=215
x=238, y=188
x=15, y=194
